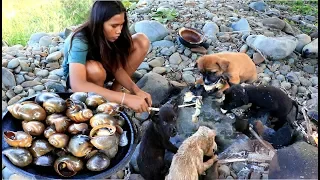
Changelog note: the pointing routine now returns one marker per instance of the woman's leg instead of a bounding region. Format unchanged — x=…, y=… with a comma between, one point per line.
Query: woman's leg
x=140, y=48
x=95, y=72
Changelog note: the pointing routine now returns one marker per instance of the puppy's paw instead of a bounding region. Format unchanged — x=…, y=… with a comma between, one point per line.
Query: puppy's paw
x=214, y=158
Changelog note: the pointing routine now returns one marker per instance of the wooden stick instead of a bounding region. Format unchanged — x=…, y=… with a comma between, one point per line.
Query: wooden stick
x=225, y=161
x=301, y=129
x=189, y=69
x=259, y=138
x=154, y=109
x=180, y=106
x=308, y=124
x=186, y=105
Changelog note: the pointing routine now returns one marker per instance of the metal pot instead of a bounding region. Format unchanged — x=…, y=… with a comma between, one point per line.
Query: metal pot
x=192, y=38
x=36, y=172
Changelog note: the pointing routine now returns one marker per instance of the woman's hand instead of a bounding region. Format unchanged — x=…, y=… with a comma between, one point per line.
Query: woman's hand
x=136, y=103
x=145, y=96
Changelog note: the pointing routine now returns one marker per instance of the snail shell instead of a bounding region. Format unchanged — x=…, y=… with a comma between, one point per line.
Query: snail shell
x=104, y=129
x=111, y=153
x=80, y=116
x=92, y=152
x=79, y=96
x=98, y=162
x=102, y=118
x=18, y=139
x=50, y=130
x=77, y=111
x=28, y=111
x=60, y=152
x=18, y=156
x=34, y=128
x=54, y=105
x=58, y=140
x=68, y=165
x=59, y=121
x=78, y=128
x=104, y=142
x=79, y=145
x=75, y=104
x=108, y=108
x=40, y=98
x=94, y=101
x=40, y=147
x=45, y=160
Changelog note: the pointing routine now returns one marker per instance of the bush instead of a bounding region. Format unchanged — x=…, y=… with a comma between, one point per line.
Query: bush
x=21, y=18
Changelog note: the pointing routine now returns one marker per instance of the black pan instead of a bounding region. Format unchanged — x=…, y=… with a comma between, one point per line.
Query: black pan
x=36, y=172
x=192, y=38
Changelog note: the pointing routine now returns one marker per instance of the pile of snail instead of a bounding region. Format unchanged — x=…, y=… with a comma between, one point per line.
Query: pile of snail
x=83, y=131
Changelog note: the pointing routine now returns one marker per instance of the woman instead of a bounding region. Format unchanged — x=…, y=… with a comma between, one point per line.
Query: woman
x=102, y=50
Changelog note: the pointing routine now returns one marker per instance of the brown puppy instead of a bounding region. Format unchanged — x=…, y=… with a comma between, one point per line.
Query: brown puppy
x=187, y=163
x=233, y=66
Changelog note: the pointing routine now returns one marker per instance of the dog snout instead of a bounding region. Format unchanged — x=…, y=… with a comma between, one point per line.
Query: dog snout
x=215, y=148
x=207, y=82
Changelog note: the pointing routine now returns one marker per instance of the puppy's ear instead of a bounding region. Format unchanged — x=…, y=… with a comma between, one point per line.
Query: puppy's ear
x=223, y=64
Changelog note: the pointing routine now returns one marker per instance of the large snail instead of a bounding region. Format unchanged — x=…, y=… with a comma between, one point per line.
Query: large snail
x=76, y=111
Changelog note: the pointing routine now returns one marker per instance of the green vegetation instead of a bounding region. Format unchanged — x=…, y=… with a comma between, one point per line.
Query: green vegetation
x=130, y=5
x=164, y=15
x=300, y=7
x=303, y=7
x=304, y=29
x=21, y=18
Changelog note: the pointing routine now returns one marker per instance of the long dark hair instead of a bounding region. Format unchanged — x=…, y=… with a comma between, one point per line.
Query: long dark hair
x=112, y=55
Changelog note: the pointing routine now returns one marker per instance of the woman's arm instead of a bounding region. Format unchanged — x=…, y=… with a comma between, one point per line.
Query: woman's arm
x=125, y=80
x=79, y=83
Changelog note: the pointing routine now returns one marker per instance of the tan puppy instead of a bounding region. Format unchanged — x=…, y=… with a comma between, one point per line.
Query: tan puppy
x=233, y=66
x=187, y=163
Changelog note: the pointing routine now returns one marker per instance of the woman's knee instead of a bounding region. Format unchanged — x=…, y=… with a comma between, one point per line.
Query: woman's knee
x=95, y=72
x=141, y=41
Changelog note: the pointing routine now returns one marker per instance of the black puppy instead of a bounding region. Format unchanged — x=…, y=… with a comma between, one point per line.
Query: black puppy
x=278, y=139
x=155, y=141
x=266, y=98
